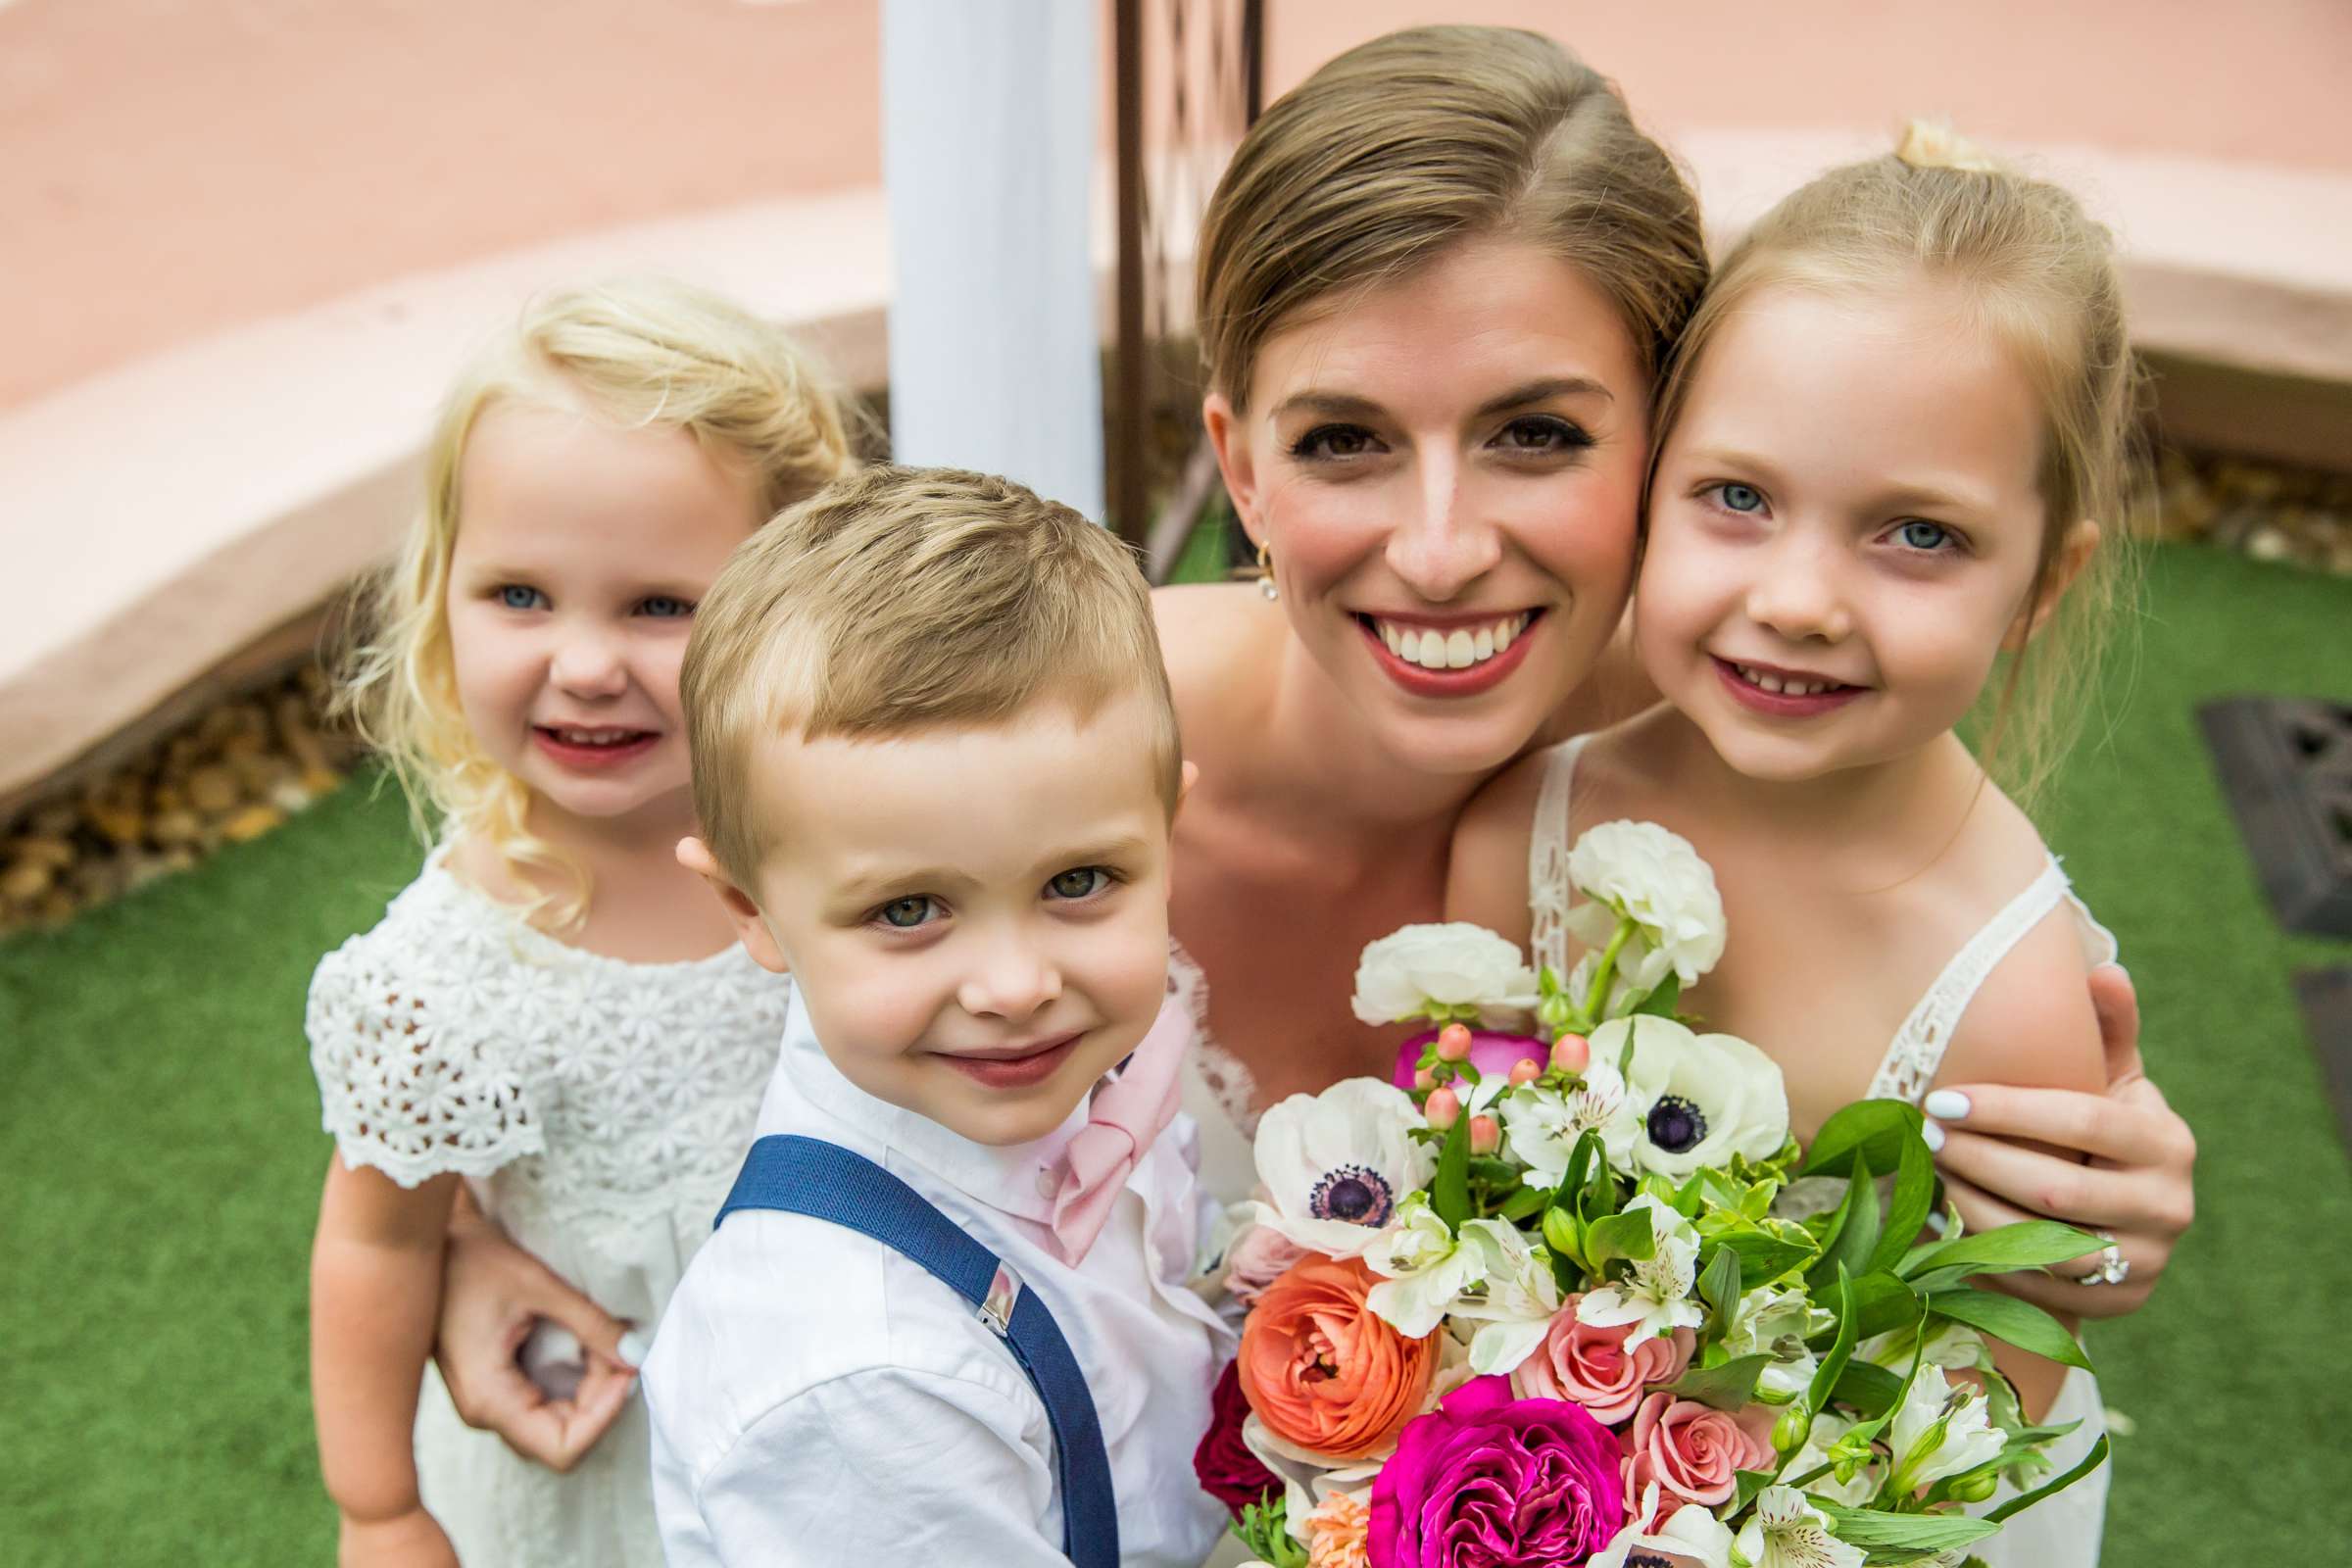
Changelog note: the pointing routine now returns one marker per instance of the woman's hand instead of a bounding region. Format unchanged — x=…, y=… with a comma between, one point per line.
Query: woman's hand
x=492, y=1295
x=2131, y=1179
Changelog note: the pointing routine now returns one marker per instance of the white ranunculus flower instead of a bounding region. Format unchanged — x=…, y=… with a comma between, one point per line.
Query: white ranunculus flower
x=1693, y=1539
x=1641, y=871
x=1699, y=1099
x=1454, y=965
x=1788, y=1532
x=1337, y=1164
x=1423, y=1266
x=1658, y=1299
x=1518, y=1300
x=1940, y=1429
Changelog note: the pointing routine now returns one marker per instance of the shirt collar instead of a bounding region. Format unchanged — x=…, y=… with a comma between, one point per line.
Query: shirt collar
x=1017, y=1178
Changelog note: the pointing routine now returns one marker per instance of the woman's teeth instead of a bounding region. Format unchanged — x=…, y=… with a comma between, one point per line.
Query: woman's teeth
x=1786, y=686
x=1458, y=649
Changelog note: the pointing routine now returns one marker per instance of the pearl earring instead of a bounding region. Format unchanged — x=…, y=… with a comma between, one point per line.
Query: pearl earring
x=1265, y=575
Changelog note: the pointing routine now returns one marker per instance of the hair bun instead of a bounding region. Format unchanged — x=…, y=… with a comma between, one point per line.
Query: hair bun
x=1934, y=144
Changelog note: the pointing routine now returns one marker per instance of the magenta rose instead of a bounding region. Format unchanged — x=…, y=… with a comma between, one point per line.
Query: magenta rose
x=1692, y=1449
x=1493, y=1055
x=1486, y=1480
x=1229, y=1472
x=1590, y=1366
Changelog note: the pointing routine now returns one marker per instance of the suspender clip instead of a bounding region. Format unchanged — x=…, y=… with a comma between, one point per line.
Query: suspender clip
x=996, y=1308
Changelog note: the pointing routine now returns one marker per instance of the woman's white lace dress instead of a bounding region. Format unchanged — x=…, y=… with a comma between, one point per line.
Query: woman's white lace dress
x=597, y=1109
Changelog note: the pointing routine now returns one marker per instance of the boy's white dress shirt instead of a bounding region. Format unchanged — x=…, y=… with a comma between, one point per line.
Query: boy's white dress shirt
x=818, y=1397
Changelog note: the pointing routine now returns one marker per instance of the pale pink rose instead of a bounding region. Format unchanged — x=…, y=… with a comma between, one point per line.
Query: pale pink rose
x=1693, y=1449
x=1258, y=1256
x=1592, y=1367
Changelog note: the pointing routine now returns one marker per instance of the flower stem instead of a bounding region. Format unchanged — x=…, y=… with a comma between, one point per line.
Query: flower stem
x=1597, y=994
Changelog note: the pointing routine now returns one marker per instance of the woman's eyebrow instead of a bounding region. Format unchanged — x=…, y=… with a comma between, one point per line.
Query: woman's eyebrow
x=1544, y=390
x=1331, y=404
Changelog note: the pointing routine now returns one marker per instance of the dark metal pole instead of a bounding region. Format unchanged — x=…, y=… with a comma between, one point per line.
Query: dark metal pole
x=1130, y=418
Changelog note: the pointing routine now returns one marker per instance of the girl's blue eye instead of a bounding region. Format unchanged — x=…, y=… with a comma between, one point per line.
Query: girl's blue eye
x=905, y=914
x=662, y=607
x=1082, y=882
x=515, y=596
x=1740, y=498
x=1925, y=536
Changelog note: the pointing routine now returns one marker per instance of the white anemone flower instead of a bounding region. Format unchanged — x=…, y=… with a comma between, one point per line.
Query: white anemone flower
x=1693, y=1101
x=1516, y=1302
x=1423, y=1267
x=1338, y=1165
x=1444, y=968
x=1693, y=1539
x=1641, y=872
x=1658, y=1299
x=1788, y=1532
x=1940, y=1429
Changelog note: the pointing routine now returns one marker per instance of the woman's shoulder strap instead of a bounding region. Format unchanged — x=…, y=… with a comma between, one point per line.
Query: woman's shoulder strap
x=1550, y=890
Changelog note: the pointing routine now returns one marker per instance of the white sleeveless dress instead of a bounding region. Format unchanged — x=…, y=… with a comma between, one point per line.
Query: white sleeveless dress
x=2064, y=1531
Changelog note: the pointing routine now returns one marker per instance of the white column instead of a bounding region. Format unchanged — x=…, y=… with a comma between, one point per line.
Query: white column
x=988, y=149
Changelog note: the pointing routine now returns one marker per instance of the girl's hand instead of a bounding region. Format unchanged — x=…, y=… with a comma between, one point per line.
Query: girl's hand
x=491, y=1293
x=412, y=1540
x=2133, y=1180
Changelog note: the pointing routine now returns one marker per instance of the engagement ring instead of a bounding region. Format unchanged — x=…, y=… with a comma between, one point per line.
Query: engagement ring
x=2114, y=1268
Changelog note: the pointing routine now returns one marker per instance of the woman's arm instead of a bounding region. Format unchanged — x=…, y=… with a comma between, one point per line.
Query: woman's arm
x=2128, y=1169
x=376, y=1283
x=493, y=1292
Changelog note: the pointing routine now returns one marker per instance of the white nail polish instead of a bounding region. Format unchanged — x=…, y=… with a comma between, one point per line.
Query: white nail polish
x=635, y=1346
x=1936, y=1223
x=1946, y=1105
x=1933, y=1132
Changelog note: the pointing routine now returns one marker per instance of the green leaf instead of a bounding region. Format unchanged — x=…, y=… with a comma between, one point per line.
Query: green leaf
x=1499, y=1174
x=1870, y=1528
x=1719, y=1287
x=1449, y=1188
x=1615, y=1235
x=1857, y=1229
x=1750, y=1481
x=1938, y=1279
x=1764, y=1257
x=2057, y=1483
x=1659, y=1004
x=1867, y=1388
x=1907, y=1210
x=1525, y=1203
x=1842, y=1349
x=1882, y=1302
x=1872, y=1127
x=2028, y=1244
x=1728, y=1387
x=2012, y=1321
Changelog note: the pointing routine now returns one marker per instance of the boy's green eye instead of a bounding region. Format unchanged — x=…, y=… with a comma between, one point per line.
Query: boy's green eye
x=1079, y=883
x=907, y=913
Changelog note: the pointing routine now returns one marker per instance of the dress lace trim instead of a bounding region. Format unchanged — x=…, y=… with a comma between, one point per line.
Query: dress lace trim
x=1548, y=888
x=1228, y=1078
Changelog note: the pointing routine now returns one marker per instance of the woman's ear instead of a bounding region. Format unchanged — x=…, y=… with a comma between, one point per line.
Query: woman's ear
x=751, y=928
x=1230, y=438
x=2081, y=542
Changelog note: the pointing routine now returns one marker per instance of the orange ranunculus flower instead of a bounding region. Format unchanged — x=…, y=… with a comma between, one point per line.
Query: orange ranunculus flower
x=1323, y=1370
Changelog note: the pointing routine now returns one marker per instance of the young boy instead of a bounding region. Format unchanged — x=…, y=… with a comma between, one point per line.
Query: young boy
x=936, y=763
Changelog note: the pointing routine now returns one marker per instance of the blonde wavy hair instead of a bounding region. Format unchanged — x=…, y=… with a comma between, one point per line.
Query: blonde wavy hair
x=2038, y=274
x=640, y=353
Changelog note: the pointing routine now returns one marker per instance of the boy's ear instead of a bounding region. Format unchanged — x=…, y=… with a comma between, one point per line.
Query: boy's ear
x=749, y=928
x=2082, y=540
x=1187, y=777
x=1231, y=442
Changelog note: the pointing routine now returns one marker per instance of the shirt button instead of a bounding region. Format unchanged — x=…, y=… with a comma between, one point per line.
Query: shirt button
x=1048, y=1183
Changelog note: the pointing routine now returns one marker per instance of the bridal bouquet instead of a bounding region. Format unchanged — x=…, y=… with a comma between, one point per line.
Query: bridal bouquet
x=1575, y=1296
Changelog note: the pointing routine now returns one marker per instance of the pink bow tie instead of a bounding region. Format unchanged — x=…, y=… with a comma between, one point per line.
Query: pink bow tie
x=1125, y=1114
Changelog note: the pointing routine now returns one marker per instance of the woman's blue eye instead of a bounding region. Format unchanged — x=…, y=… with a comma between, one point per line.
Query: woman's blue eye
x=1928, y=536
x=907, y=913
x=663, y=607
x=1080, y=883
x=515, y=596
x=1740, y=498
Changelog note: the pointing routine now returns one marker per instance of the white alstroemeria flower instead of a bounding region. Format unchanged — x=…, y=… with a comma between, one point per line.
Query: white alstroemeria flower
x=1693, y=1539
x=1856, y=1492
x=1541, y=1125
x=1658, y=1299
x=1453, y=966
x=1788, y=1532
x=1423, y=1266
x=1698, y=1099
x=1641, y=871
x=1953, y=1347
x=1337, y=1164
x=1519, y=1299
x=1777, y=1322
x=1940, y=1429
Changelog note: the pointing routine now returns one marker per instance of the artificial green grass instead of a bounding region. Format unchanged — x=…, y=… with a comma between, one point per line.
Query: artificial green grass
x=159, y=1141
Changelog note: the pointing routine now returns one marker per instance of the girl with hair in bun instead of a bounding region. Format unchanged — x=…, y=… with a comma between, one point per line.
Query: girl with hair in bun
x=553, y=1024
x=1891, y=459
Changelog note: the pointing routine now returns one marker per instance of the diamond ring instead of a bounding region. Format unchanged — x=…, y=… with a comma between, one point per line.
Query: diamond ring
x=2114, y=1268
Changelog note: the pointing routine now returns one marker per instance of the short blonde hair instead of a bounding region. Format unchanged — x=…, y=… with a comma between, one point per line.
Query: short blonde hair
x=902, y=599
x=1401, y=148
x=645, y=353
x=2038, y=274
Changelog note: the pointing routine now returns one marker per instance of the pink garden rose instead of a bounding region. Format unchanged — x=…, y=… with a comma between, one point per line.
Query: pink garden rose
x=1592, y=1367
x=1488, y=1481
x=1258, y=1256
x=1693, y=1449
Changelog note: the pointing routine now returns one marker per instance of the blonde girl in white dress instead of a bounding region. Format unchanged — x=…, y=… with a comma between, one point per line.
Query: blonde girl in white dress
x=1897, y=430
x=553, y=1016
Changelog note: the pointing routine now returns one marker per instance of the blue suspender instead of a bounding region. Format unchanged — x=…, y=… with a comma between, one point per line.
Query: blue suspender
x=824, y=1181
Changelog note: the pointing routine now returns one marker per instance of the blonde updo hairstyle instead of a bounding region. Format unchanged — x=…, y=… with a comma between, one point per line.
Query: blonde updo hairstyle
x=1412, y=143
x=2038, y=275
x=639, y=354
